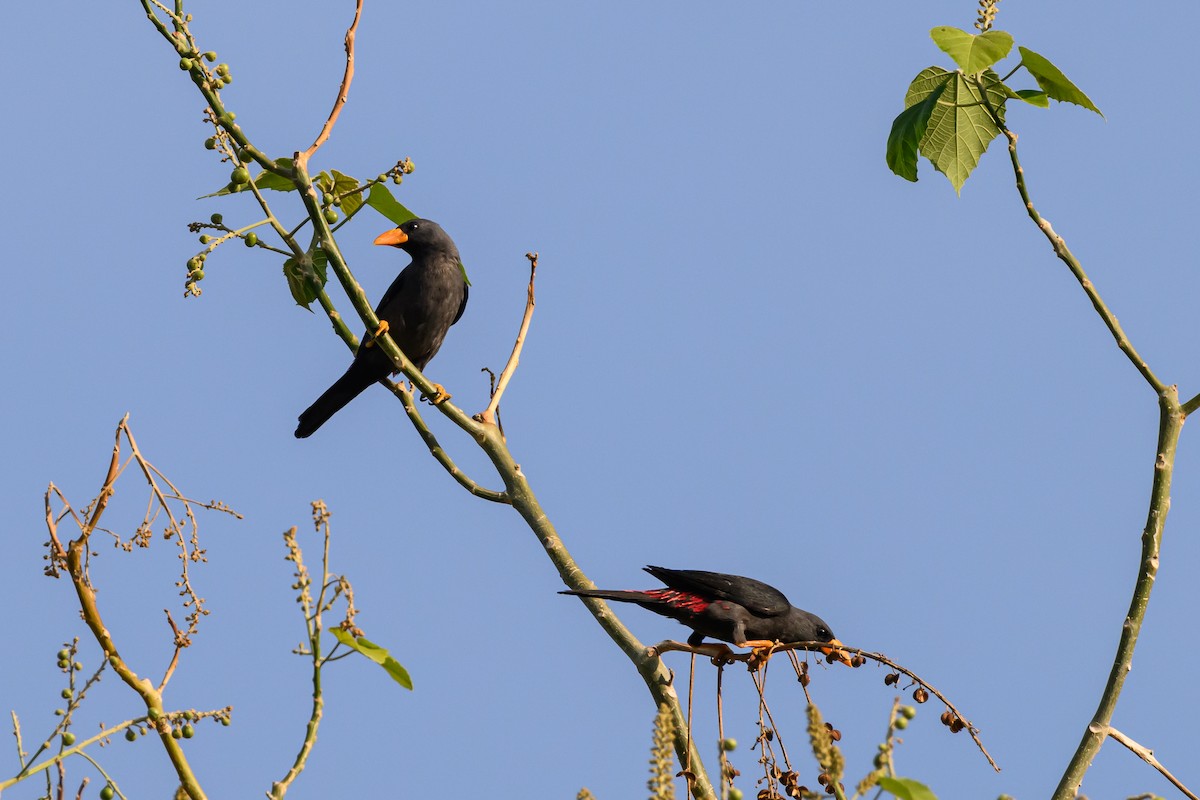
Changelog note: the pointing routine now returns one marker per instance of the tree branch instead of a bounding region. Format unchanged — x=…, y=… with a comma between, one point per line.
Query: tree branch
x=1147, y=755
x=489, y=414
x=347, y=77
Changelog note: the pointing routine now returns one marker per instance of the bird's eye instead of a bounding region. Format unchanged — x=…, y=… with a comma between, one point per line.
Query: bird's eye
x=823, y=633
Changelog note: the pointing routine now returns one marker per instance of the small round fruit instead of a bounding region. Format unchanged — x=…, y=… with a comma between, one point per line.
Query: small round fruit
x=185, y=64
x=901, y=723
x=205, y=239
x=67, y=694
x=226, y=721
x=68, y=738
x=58, y=712
x=245, y=156
x=77, y=666
x=240, y=175
x=210, y=143
x=176, y=733
x=920, y=695
x=154, y=713
x=63, y=655
x=107, y=792
x=130, y=735
x=908, y=711
x=198, y=275
x=251, y=239
x=729, y=744
x=331, y=216
x=188, y=731
x=397, y=179
x=735, y=793
x=216, y=219
x=64, y=664
x=210, y=56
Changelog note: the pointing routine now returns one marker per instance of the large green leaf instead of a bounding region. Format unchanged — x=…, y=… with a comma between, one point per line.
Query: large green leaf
x=973, y=53
x=377, y=654
x=380, y=198
x=960, y=127
x=906, y=789
x=907, y=131
x=299, y=284
x=1053, y=82
x=263, y=180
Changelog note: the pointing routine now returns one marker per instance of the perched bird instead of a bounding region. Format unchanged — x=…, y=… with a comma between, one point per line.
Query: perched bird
x=731, y=608
x=417, y=309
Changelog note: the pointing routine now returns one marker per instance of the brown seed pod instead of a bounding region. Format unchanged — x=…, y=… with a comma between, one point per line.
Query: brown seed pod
x=957, y=725
x=920, y=695
x=891, y=679
x=823, y=779
x=805, y=680
x=947, y=717
x=836, y=735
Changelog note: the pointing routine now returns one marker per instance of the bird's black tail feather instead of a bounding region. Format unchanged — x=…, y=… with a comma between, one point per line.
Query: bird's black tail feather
x=344, y=389
x=621, y=596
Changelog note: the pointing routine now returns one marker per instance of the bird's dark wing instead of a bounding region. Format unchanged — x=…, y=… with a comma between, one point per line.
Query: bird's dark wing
x=755, y=596
x=392, y=291
x=463, y=306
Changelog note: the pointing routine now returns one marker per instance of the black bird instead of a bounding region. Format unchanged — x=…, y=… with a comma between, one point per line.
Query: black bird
x=731, y=608
x=417, y=309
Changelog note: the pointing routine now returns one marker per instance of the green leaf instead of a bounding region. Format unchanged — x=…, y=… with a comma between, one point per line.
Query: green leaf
x=343, y=184
x=299, y=279
x=1034, y=97
x=463, y=269
x=906, y=788
x=263, y=180
x=961, y=127
x=380, y=198
x=1053, y=82
x=377, y=654
x=972, y=53
x=907, y=131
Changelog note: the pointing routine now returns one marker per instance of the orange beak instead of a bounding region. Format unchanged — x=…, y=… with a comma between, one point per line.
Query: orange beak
x=395, y=237
x=833, y=649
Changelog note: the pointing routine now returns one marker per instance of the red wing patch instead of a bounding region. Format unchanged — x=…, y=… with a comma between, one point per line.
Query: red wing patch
x=682, y=600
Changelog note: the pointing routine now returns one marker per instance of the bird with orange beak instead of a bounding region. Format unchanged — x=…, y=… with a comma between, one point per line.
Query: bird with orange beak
x=742, y=611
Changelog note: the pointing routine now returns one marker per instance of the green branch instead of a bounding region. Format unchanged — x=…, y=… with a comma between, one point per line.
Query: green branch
x=1170, y=424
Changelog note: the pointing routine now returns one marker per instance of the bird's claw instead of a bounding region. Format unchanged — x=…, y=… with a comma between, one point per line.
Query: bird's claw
x=760, y=651
x=439, y=396
x=380, y=331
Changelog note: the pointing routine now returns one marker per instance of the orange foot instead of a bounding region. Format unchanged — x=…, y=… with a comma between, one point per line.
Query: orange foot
x=440, y=395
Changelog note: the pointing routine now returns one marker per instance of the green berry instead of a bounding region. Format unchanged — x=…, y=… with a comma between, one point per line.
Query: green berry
x=67, y=694
x=205, y=239
x=244, y=156
x=188, y=731
x=185, y=64
x=735, y=793
x=908, y=711
x=130, y=735
x=382, y=178
x=239, y=176
x=63, y=663
x=331, y=216
x=397, y=179
x=63, y=655
x=880, y=761
x=194, y=264
x=210, y=56
x=729, y=744
x=198, y=275
x=251, y=239
x=107, y=792
x=154, y=713
x=58, y=712
x=176, y=733
x=216, y=219
x=225, y=721
x=77, y=666
x=901, y=723
x=68, y=738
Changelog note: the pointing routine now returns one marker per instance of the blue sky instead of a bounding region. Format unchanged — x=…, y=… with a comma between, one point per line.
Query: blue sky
x=755, y=351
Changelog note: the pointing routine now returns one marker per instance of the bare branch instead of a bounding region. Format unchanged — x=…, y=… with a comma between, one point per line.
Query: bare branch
x=1147, y=755
x=347, y=77
x=489, y=414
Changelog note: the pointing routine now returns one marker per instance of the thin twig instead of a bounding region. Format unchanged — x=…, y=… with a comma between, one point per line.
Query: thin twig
x=1147, y=755
x=489, y=414
x=669, y=646
x=438, y=452
x=344, y=90
x=1190, y=406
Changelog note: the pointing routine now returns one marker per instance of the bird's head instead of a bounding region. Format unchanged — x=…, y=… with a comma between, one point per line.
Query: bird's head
x=418, y=235
x=808, y=627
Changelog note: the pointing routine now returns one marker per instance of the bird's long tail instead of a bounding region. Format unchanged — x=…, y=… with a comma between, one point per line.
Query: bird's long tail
x=357, y=378
x=621, y=596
